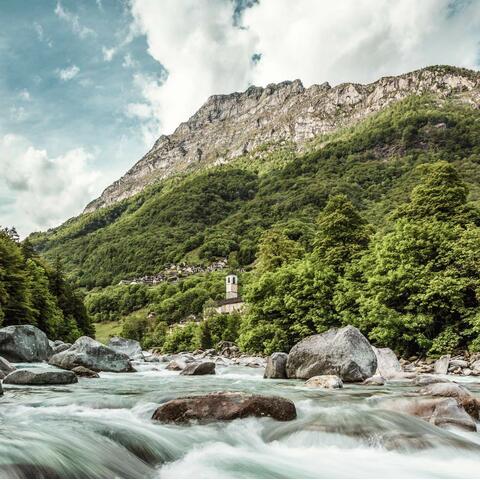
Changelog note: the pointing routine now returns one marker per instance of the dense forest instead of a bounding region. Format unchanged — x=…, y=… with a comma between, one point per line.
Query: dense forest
x=36, y=293
x=375, y=226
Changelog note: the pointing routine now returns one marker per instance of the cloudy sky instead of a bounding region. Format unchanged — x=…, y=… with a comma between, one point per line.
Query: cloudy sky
x=87, y=86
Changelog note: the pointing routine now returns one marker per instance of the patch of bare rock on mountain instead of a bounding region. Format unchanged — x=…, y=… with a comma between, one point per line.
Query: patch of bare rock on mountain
x=228, y=126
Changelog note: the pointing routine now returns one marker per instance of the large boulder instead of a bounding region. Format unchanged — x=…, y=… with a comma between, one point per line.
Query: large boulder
x=61, y=347
x=388, y=365
x=223, y=406
x=276, y=366
x=129, y=347
x=24, y=343
x=5, y=367
x=203, y=368
x=325, y=381
x=40, y=376
x=344, y=352
x=91, y=354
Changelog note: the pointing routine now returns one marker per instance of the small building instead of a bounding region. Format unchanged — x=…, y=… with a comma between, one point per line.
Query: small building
x=233, y=302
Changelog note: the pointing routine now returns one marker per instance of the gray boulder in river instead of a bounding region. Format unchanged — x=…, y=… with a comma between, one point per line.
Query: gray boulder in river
x=203, y=368
x=339, y=351
x=40, y=376
x=222, y=406
x=129, y=347
x=388, y=365
x=89, y=353
x=24, y=343
x=5, y=367
x=276, y=366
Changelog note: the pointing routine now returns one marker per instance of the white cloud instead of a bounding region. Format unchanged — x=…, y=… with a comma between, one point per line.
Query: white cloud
x=39, y=191
x=203, y=53
x=74, y=21
x=316, y=41
x=25, y=95
x=108, y=53
x=68, y=73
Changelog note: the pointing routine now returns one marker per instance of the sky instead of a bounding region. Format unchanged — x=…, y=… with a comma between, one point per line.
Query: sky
x=87, y=86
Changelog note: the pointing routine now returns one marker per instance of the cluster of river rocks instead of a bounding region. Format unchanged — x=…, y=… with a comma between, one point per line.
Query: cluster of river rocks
x=324, y=361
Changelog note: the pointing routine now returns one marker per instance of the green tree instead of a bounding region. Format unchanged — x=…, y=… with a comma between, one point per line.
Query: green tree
x=416, y=288
x=276, y=249
x=14, y=283
x=341, y=233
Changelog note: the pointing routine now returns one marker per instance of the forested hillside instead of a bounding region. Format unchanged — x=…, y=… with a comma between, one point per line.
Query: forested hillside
x=36, y=293
x=224, y=210
x=375, y=226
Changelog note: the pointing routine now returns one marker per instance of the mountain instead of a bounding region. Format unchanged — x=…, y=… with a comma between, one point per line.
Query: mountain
x=229, y=126
x=271, y=158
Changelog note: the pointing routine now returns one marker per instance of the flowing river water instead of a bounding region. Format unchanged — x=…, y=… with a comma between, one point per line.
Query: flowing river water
x=102, y=428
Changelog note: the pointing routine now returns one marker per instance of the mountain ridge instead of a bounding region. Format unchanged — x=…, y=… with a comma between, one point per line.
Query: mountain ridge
x=231, y=125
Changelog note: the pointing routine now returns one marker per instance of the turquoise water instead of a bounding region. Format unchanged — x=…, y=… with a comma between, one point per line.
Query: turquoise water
x=101, y=428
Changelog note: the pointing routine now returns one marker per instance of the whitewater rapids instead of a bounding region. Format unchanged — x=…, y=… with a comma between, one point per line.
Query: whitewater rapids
x=102, y=428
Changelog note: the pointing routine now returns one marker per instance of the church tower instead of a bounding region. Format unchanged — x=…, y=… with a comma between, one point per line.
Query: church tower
x=231, y=285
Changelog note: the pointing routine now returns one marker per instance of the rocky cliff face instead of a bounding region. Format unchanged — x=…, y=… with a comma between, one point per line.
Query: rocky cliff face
x=228, y=126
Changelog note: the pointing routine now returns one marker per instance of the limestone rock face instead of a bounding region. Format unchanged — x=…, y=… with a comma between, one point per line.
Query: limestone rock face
x=129, y=347
x=224, y=406
x=91, y=354
x=344, y=352
x=40, y=376
x=288, y=114
x=24, y=343
x=276, y=366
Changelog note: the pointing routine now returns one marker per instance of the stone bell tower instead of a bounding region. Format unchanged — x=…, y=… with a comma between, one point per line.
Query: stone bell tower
x=231, y=286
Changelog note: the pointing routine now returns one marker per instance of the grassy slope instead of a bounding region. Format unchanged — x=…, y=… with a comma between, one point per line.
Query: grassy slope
x=226, y=208
x=103, y=331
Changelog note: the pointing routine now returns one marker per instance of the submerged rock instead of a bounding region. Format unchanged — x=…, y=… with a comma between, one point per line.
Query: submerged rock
x=344, y=352
x=40, y=376
x=85, y=372
x=375, y=380
x=224, y=406
x=452, y=390
x=426, y=379
x=325, y=381
x=24, y=343
x=176, y=365
x=203, y=368
x=276, y=366
x=5, y=367
x=443, y=412
x=91, y=354
x=129, y=347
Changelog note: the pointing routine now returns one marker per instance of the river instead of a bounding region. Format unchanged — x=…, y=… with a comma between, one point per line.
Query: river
x=101, y=428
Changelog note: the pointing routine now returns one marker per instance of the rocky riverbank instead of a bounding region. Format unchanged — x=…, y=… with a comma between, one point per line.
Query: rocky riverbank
x=325, y=361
